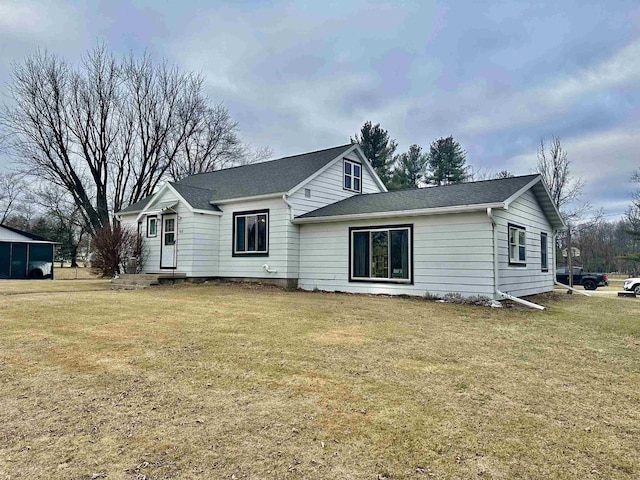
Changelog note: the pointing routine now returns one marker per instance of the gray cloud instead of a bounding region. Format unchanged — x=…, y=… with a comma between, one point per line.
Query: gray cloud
x=300, y=76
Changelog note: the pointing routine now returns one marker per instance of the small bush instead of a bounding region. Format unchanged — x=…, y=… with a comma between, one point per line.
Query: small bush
x=453, y=297
x=113, y=247
x=431, y=296
x=479, y=300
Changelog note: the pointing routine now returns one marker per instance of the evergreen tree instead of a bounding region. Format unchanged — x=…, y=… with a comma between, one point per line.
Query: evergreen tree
x=446, y=162
x=409, y=169
x=377, y=147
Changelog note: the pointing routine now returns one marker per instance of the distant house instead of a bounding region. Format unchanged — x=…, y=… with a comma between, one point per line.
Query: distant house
x=24, y=255
x=324, y=220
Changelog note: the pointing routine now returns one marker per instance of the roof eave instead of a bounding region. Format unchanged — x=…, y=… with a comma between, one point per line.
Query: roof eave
x=399, y=213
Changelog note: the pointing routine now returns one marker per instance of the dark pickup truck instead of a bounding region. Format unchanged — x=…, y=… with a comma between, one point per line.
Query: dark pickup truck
x=590, y=281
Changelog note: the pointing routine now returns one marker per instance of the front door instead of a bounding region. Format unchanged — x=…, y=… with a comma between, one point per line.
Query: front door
x=168, y=253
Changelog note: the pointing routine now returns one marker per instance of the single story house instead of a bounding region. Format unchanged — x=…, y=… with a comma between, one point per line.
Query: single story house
x=24, y=255
x=324, y=220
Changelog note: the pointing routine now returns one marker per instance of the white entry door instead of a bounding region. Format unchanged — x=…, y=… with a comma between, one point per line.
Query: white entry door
x=168, y=253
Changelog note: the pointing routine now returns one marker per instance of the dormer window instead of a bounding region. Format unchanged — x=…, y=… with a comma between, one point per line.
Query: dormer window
x=352, y=176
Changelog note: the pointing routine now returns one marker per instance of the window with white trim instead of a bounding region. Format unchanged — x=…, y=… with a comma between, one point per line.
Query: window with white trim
x=544, y=252
x=152, y=226
x=352, y=176
x=517, y=245
x=381, y=254
x=251, y=233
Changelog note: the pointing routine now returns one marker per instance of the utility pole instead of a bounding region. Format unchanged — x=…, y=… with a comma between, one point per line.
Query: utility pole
x=569, y=259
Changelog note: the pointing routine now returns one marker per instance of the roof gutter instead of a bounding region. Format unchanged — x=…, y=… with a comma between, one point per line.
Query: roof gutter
x=399, y=213
x=496, y=269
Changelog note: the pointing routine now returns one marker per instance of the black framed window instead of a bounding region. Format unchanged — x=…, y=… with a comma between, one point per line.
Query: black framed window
x=152, y=226
x=544, y=252
x=251, y=233
x=381, y=254
x=352, y=176
x=517, y=246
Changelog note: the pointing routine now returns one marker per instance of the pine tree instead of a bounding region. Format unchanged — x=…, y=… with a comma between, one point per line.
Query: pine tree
x=409, y=169
x=446, y=162
x=377, y=147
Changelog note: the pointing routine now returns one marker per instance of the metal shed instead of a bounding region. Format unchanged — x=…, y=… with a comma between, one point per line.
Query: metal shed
x=24, y=255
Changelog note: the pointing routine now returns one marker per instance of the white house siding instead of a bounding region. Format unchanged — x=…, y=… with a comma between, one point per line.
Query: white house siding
x=7, y=235
x=327, y=188
x=204, y=244
x=283, y=251
x=529, y=280
x=184, y=239
x=452, y=253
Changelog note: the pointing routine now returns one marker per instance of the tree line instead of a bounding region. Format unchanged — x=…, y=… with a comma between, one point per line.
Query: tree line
x=443, y=164
x=91, y=138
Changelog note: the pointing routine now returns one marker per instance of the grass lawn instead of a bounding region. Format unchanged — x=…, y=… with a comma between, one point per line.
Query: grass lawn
x=224, y=381
x=73, y=273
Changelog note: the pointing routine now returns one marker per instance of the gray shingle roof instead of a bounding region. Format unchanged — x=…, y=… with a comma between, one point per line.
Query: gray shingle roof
x=263, y=178
x=473, y=193
x=197, y=197
x=273, y=176
x=137, y=207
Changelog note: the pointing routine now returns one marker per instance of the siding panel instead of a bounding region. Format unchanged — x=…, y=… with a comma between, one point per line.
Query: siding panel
x=466, y=267
x=327, y=188
x=528, y=280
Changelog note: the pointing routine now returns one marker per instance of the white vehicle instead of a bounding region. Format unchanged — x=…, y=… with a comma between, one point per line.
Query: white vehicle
x=632, y=285
x=40, y=269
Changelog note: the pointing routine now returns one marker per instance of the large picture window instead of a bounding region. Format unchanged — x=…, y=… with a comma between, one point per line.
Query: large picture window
x=352, y=176
x=517, y=246
x=251, y=233
x=381, y=254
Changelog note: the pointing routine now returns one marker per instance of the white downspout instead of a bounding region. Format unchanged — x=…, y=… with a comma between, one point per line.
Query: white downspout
x=496, y=269
x=285, y=200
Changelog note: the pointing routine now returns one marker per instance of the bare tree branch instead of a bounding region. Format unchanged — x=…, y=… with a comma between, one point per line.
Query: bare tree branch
x=555, y=167
x=109, y=131
x=12, y=187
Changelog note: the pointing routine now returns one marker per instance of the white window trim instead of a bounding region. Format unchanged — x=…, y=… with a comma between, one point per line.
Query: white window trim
x=517, y=244
x=409, y=229
x=246, y=233
x=351, y=175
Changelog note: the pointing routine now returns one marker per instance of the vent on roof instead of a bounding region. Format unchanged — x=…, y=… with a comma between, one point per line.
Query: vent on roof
x=307, y=193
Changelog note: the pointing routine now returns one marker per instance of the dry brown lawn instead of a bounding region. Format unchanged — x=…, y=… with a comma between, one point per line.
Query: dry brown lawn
x=69, y=273
x=230, y=381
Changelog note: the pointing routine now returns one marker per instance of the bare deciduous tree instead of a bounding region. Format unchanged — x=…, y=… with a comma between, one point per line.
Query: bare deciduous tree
x=555, y=167
x=488, y=174
x=12, y=188
x=108, y=131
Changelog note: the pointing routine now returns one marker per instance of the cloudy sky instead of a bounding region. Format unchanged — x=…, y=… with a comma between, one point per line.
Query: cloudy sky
x=300, y=76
